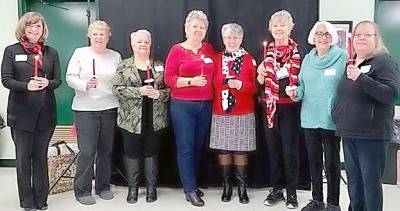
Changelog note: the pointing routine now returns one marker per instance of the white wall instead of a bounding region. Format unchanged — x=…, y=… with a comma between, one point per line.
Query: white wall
x=9, y=17
x=347, y=10
x=356, y=10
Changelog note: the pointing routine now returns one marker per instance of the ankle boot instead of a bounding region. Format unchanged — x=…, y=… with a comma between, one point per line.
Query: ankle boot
x=132, y=167
x=241, y=176
x=151, y=173
x=227, y=192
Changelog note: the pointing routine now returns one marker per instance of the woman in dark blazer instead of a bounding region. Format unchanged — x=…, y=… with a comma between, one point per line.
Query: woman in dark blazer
x=31, y=71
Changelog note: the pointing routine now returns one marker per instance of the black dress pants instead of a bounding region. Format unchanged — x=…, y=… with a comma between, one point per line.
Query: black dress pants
x=324, y=142
x=282, y=144
x=31, y=164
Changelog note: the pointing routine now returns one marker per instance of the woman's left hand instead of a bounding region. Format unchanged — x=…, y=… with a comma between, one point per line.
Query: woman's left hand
x=234, y=84
x=353, y=72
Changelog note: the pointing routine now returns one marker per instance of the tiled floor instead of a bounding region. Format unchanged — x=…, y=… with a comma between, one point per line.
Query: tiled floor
x=170, y=199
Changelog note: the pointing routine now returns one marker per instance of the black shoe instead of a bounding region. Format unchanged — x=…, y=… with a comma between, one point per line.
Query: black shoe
x=331, y=207
x=29, y=209
x=275, y=196
x=151, y=174
x=314, y=205
x=291, y=201
x=194, y=199
x=44, y=207
x=241, y=176
x=226, y=193
x=151, y=195
x=199, y=193
x=132, y=195
x=226, y=175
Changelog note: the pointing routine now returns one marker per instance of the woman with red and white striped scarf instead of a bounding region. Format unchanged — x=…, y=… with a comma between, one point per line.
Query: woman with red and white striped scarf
x=278, y=73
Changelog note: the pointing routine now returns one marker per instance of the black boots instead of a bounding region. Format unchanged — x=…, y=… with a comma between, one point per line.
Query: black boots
x=133, y=174
x=132, y=167
x=241, y=176
x=226, y=175
x=151, y=173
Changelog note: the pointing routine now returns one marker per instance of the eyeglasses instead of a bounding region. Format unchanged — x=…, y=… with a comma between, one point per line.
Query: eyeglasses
x=321, y=34
x=366, y=35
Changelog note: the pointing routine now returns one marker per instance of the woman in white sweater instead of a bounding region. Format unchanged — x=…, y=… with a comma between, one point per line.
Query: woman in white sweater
x=89, y=73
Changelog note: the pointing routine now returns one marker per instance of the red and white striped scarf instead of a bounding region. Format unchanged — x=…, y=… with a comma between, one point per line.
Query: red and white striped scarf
x=288, y=56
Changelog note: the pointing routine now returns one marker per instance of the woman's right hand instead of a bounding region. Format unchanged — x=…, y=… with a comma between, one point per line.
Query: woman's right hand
x=145, y=90
x=34, y=85
x=92, y=83
x=291, y=92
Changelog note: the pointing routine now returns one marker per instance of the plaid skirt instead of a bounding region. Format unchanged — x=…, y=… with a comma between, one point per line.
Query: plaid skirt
x=233, y=133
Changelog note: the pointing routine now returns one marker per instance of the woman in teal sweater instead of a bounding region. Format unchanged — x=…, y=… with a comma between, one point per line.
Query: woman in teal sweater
x=320, y=74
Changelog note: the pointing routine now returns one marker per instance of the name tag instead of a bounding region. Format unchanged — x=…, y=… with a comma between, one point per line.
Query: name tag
x=21, y=58
x=365, y=69
x=330, y=72
x=207, y=60
x=159, y=68
x=282, y=73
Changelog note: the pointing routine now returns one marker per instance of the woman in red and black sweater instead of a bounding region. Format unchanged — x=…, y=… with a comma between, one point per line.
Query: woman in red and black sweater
x=277, y=73
x=233, y=122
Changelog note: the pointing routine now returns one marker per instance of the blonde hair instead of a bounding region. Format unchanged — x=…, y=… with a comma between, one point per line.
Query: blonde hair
x=329, y=27
x=102, y=25
x=233, y=28
x=379, y=44
x=31, y=18
x=196, y=15
x=281, y=15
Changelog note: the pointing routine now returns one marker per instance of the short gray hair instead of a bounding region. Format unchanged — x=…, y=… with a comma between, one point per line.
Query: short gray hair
x=196, y=15
x=140, y=31
x=329, y=27
x=233, y=28
x=281, y=15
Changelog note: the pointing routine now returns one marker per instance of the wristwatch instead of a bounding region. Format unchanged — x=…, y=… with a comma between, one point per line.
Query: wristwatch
x=188, y=82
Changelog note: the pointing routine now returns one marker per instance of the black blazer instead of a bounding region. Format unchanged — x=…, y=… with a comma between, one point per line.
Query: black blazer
x=30, y=110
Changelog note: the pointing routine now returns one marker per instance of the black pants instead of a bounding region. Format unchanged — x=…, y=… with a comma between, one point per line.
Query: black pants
x=31, y=164
x=318, y=142
x=139, y=146
x=365, y=162
x=95, y=130
x=282, y=146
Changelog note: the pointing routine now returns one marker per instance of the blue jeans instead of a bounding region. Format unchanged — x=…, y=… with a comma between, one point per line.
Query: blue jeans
x=191, y=122
x=365, y=163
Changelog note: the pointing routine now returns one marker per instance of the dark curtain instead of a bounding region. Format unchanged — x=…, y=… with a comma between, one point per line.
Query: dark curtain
x=165, y=20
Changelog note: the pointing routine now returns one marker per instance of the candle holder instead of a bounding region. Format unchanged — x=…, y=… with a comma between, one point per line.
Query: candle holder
x=149, y=80
x=351, y=62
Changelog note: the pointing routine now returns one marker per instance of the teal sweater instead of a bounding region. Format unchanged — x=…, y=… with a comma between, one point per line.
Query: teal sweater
x=318, y=80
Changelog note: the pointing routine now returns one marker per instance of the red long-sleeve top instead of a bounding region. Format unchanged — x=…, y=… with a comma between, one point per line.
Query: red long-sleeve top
x=182, y=62
x=244, y=96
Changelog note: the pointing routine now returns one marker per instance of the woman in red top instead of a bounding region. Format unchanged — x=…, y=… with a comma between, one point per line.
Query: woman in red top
x=188, y=72
x=233, y=121
x=278, y=73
